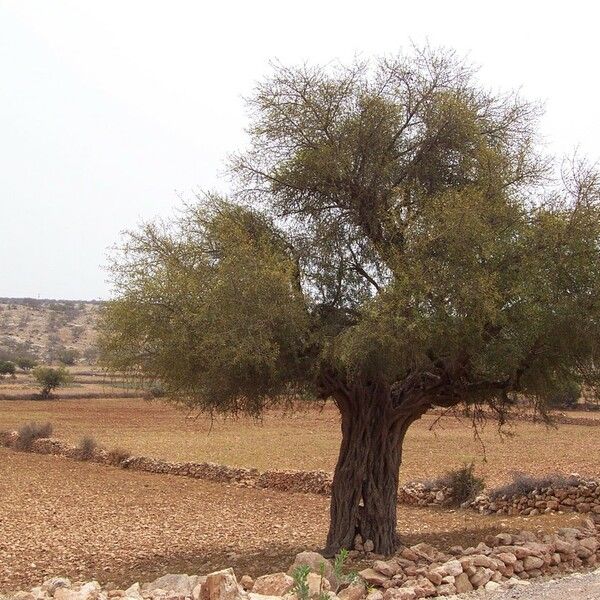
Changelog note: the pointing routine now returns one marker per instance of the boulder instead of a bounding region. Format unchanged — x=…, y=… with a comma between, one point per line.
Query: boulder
x=388, y=568
x=373, y=577
x=221, y=585
x=314, y=560
x=275, y=584
x=532, y=562
x=462, y=584
x=317, y=585
x=52, y=584
x=355, y=591
x=179, y=583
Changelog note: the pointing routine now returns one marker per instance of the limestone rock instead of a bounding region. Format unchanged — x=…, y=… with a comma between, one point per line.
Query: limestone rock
x=221, y=585
x=52, y=584
x=355, y=591
x=275, y=584
x=373, y=577
x=314, y=560
x=179, y=583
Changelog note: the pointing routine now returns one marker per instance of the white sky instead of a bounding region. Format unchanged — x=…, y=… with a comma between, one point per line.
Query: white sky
x=109, y=108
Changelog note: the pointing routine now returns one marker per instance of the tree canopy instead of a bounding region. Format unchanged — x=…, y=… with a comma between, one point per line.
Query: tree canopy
x=396, y=240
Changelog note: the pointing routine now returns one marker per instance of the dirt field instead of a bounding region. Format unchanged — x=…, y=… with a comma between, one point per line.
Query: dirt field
x=59, y=516
x=308, y=439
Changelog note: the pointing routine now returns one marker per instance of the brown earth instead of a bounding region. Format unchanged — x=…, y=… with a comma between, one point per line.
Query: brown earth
x=87, y=521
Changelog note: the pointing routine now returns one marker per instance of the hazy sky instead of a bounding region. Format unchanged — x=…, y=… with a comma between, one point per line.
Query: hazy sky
x=110, y=109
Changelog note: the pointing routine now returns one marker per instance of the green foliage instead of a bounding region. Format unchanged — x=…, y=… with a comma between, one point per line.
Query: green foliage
x=50, y=378
x=393, y=226
x=30, y=432
x=6, y=368
x=464, y=483
x=567, y=394
x=339, y=563
x=25, y=363
x=68, y=356
x=300, y=587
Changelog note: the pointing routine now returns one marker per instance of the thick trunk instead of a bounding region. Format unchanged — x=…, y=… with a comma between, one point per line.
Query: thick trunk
x=365, y=482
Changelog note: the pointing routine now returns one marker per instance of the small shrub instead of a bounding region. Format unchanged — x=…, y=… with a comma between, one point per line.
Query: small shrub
x=7, y=368
x=156, y=390
x=464, y=483
x=117, y=456
x=523, y=484
x=86, y=448
x=26, y=364
x=30, y=432
x=300, y=587
x=68, y=356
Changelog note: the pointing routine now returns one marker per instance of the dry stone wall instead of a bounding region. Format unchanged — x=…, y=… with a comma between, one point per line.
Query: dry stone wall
x=420, y=571
x=581, y=495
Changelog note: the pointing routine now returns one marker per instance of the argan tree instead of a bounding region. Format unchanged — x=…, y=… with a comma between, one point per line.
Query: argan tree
x=395, y=243
x=50, y=378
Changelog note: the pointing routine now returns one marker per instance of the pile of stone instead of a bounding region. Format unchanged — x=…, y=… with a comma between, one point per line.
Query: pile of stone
x=580, y=495
x=420, y=494
x=419, y=571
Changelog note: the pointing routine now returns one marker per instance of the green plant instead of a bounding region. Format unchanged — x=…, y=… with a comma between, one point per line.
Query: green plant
x=50, y=378
x=30, y=432
x=7, y=368
x=68, y=356
x=463, y=481
x=25, y=363
x=339, y=562
x=86, y=448
x=300, y=587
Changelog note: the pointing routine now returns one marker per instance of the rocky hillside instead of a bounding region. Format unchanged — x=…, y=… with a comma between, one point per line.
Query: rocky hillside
x=48, y=330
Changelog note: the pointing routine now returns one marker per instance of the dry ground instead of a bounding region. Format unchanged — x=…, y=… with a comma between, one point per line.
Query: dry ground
x=308, y=439
x=59, y=516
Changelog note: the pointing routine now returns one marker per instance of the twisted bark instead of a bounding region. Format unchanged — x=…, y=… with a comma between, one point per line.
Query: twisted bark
x=365, y=482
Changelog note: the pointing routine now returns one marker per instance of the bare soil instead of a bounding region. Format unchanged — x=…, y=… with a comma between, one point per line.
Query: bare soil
x=82, y=520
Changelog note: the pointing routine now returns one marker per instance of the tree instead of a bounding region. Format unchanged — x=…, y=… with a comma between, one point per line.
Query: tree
x=25, y=363
x=394, y=244
x=68, y=356
x=7, y=368
x=50, y=378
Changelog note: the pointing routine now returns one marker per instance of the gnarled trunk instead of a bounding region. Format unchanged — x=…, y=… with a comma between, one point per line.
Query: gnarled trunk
x=365, y=483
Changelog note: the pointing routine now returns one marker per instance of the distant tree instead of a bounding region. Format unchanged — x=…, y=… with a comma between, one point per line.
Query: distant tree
x=68, y=356
x=26, y=363
x=7, y=368
x=50, y=378
x=394, y=245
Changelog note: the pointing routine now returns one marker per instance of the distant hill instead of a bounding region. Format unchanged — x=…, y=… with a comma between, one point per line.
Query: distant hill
x=48, y=330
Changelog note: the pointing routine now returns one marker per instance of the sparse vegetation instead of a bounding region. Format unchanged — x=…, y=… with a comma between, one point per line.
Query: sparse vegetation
x=117, y=456
x=7, y=368
x=463, y=481
x=50, y=378
x=68, y=356
x=86, y=448
x=25, y=363
x=522, y=484
x=30, y=432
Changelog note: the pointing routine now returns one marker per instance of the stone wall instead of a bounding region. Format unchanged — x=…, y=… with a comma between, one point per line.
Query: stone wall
x=501, y=561
x=581, y=495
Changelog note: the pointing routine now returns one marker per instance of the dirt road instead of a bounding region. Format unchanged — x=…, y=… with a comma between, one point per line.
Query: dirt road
x=575, y=587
